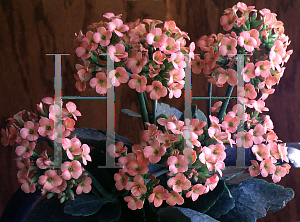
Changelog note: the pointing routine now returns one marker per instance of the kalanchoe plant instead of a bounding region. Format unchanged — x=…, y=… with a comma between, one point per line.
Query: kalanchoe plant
x=26, y=129
x=182, y=162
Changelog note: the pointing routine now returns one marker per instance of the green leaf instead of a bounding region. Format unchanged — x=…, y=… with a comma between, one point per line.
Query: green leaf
x=224, y=204
x=84, y=205
x=109, y=212
x=254, y=197
x=179, y=214
x=205, y=201
x=131, y=113
x=172, y=214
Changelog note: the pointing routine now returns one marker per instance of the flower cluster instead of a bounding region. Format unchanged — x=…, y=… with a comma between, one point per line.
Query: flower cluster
x=138, y=55
x=264, y=44
x=177, y=149
x=26, y=129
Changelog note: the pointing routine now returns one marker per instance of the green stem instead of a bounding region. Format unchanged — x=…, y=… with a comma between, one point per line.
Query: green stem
x=222, y=111
x=209, y=102
x=143, y=108
x=146, y=102
x=99, y=187
x=154, y=108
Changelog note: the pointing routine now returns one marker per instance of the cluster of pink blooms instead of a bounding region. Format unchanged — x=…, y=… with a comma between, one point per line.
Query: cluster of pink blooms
x=26, y=129
x=264, y=41
x=180, y=151
x=158, y=55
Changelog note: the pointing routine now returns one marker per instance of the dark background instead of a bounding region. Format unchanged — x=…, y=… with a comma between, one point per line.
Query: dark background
x=30, y=29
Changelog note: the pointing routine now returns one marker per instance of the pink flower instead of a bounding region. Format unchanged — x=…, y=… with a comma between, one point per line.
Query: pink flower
x=85, y=154
x=158, y=196
x=230, y=123
x=25, y=149
x=117, y=52
x=190, y=154
x=90, y=40
x=263, y=68
x=279, y=172
x=100, y=83
x=72, y=147
x=137, y=33
x=210, y=59
x=177, y=164
x=216, y=107
x=171, y=27
x=267, y=167
x=179, y=183
x=137, y=187
x=44, y=161
x=151, y=133
x=261, y=151
x=156, y=38
x=196, y=191
x=176, y=127
x=206, y=43
x=102, y=36
x=137, y=62
x=154, y=152
x=30, y=131
x=133, y=202
x=84, y=51
x=118, y=76
x=206, y=157
x=250, y=91
x=176, y=75
x=177, y=60
x=170, y=46
x=197, y=65
x=134, y=168
x=212, y=182
x=228, y=47
x=71, y=169
x=159, y=57
x=80, y=85
x=175, y=90
x=69, y=124
x=248, y=72
x=246, y=41
x=244, y=139
x=50, y=180
x=24, y=167
x=111, y=16
x=5, y=137
x=218, y=150
x=138, y=82
x=121, y=179
x=254, y=169
x=117, y=26
x=258, y=132
x=71, y=107
x=60, y=188
x=116, y=150
x=228, y=75
x=259, y=106
x=27, y=185
x=175, y=198
x=46, y=126
x=84, y=186
x=228, y=20
x=156, y=90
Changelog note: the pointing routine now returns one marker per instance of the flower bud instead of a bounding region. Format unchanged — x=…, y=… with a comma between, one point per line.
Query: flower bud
x=49, y=195
x=71, y=195
x=254, y=16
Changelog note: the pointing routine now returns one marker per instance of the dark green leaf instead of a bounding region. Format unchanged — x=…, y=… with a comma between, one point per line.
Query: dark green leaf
x=205, y=201
x=172, y=214
x=109, y=212
x=179, y=214
x=224, y=204
x=84, y=205
x=254, y=197
x=130, y=113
